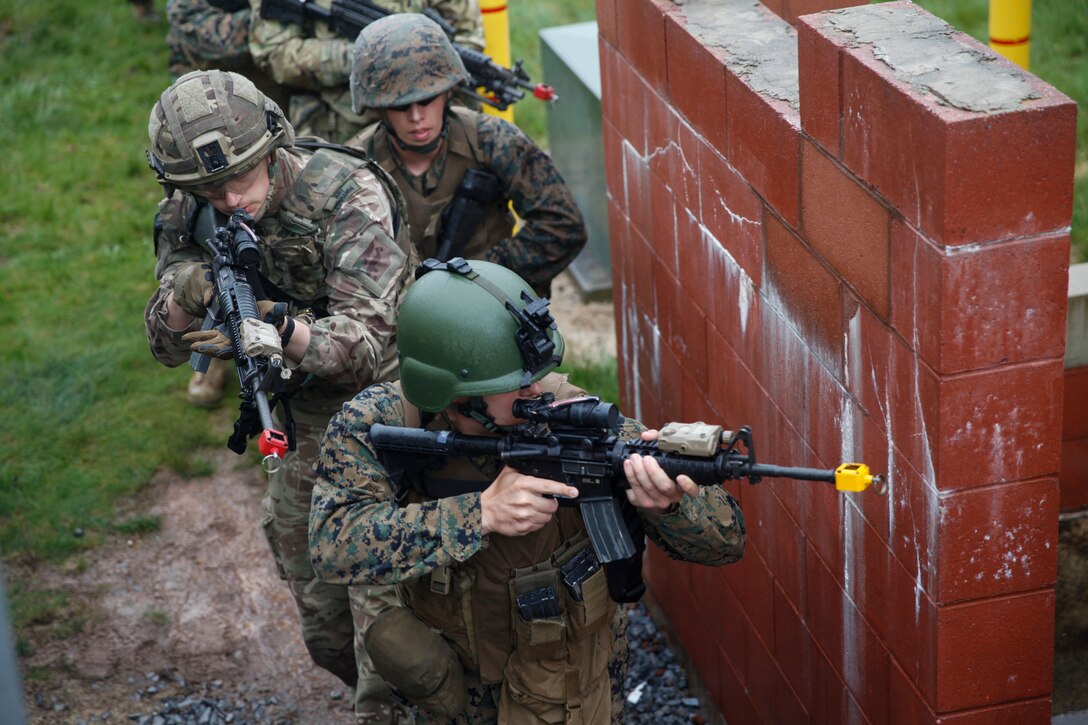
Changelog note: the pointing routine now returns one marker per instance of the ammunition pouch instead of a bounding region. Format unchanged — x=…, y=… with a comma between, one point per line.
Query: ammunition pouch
x=417, y=661
x=539, y=627
x=585, y=588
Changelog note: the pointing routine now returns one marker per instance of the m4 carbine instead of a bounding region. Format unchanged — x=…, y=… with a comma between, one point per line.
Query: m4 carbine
x=258, y=354
x=577, y=442
x=346, y=18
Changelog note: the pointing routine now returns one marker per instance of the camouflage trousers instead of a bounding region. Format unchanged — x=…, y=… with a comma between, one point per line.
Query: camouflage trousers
x=334, y=617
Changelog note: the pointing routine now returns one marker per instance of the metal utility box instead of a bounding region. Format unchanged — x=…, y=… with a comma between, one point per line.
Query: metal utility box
x=571, y=64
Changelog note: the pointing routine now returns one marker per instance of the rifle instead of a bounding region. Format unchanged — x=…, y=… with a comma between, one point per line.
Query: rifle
x=258, y=354
x=577, y=441
x=462, y=216
x=347, y=17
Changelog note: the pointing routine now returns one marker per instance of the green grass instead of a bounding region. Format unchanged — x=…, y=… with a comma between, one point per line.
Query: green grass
x=527, y=18
x=86, y=415
x=1059, y=56
x=599, y=378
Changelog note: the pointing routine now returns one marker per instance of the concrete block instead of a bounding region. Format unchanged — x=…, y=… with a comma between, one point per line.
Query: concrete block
x=968, y=146
x=846, y=224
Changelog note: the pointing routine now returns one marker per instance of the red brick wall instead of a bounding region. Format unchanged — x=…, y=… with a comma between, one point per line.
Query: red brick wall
x=1074, y=475
x=865, y=274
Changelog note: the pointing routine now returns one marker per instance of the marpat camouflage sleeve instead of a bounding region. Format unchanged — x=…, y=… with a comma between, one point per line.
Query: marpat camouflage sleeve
x=290, y=57
x=173, y=249
x=553, y=231
x=367, y=273
x=358, y=535
x=708, y=529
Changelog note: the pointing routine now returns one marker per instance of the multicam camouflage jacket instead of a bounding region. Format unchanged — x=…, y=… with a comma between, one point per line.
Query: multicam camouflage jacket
x=358, y=533
x=202, y=36
x=552, y=231
x=327, y=240
x=317, y=62
x=200, y=33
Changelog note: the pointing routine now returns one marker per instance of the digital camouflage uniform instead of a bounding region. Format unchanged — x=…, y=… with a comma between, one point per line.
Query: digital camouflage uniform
x=317, y=65
x=552, y=231
x=201, y=35
x=327, y=240
x=359, y=534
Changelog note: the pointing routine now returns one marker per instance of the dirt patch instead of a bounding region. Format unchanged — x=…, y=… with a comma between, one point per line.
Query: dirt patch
x=196, y=602
x=589, y=328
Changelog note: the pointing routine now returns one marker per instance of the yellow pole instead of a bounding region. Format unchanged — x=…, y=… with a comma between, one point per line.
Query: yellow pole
x=497, y=43
x=1010, y=30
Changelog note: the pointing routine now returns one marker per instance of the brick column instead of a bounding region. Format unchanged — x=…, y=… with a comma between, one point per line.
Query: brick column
x=831, y=235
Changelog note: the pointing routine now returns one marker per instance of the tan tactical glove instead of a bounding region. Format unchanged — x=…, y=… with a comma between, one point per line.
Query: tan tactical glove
x=272, y=312
x=210, y=342
x=193, y=288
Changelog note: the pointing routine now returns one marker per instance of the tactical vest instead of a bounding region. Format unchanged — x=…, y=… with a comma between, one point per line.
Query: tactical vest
x=425, y=211
x=555, y=659
x=293, y=259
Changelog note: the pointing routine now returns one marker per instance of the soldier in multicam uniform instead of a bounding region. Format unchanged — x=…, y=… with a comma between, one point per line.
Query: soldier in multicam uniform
x=201, y=35
x=462, y=650
x=318, y=63
x=336, y=254
x=405, y=67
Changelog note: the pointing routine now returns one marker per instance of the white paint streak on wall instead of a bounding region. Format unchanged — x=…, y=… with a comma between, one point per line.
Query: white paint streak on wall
x=733, y=216
x=852, y=374
x=853, y=639
x=929, y=476
x=730, y=272
x=853, y=545
x=629, y=345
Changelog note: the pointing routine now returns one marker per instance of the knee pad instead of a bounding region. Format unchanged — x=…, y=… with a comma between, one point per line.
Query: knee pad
x=417, y=661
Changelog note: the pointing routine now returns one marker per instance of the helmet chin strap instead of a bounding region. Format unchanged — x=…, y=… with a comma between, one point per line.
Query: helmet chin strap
x=422, y=148
x=476, y=409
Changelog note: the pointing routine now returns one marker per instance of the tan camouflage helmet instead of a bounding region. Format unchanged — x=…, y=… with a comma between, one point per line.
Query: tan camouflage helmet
x=211, y=126
x=400, y=59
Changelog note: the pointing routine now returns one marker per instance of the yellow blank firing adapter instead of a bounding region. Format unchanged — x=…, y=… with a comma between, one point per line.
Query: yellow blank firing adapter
x=856, y=477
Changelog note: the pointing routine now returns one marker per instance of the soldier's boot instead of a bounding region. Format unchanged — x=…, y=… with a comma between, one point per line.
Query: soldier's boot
x=383, y=712
x=207, y=389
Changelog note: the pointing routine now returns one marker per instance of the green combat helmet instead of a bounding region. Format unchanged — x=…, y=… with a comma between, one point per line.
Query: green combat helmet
x=469, y=330
x=211, y=126
x=401, y=59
